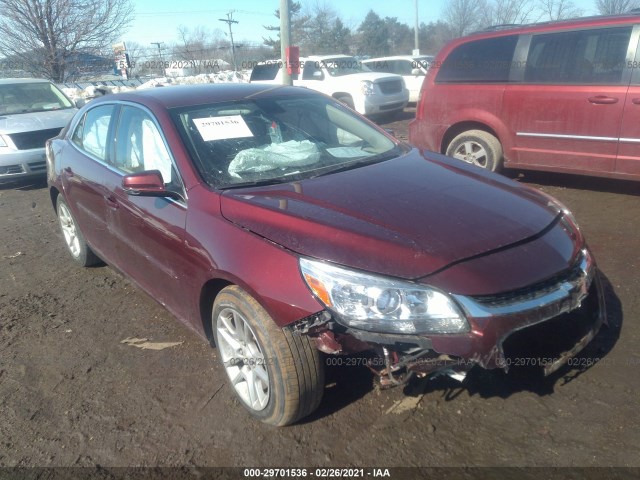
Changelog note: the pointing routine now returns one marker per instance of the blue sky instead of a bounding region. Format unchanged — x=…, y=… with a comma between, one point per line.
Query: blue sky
x=158, y=20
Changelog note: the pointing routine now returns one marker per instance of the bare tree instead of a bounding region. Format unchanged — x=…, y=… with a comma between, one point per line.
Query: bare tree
x=49, y=34
x=198, y=48
x=558, y=9
x=506, y=12
x=465, y=16
x=613, y=7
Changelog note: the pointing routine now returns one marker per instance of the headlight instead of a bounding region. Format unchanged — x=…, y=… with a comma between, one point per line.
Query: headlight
x=367, y=87
x=379, y=304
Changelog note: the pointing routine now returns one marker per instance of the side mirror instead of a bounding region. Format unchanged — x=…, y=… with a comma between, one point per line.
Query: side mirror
x=80, y=102
x=147, y=184
x=416, y=72
x=318, y=75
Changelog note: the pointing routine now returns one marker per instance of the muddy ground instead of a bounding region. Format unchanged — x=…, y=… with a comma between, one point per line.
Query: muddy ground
x=73, y=394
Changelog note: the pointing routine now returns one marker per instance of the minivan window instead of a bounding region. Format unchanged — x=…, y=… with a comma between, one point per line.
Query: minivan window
x=486, y=60
x=585, y=57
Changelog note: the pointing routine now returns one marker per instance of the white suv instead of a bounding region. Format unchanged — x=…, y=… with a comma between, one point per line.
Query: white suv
x=343, y=78
x=412, y=69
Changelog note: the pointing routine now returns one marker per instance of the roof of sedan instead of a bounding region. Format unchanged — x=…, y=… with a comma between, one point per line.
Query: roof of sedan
x=12, y=81
x=184, y=95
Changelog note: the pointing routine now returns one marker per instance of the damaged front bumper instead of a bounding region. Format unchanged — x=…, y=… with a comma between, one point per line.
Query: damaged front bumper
x=543, y=325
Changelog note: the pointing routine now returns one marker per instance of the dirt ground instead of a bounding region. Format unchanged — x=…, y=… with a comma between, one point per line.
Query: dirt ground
x=73, y=394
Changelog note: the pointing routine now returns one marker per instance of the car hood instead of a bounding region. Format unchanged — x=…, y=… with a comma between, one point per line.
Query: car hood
x=407, y=217
x=33, y=121
x=371, y=76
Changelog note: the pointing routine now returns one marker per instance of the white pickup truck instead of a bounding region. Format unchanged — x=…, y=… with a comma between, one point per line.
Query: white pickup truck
x=343, y=78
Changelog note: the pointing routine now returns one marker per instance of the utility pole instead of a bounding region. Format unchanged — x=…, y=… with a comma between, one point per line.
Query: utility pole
x=416, y=42
x=285, y=39
x=160, y=54
x=229, y=20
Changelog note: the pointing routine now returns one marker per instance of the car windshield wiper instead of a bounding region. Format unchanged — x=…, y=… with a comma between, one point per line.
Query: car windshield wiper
x=343, y=167
x=288, y=177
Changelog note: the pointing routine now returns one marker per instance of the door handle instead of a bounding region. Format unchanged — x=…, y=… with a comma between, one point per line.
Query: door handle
x=636, y=101
x=603, y=100
x=112, y=202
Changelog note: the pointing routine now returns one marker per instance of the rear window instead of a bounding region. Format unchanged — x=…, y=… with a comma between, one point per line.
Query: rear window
x=588, y=57
x=486, y=60
x=267, y=71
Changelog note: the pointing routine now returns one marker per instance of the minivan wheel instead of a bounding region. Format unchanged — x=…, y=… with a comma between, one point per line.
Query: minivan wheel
x=277, y=374
x=73, y=238
x=477, y=147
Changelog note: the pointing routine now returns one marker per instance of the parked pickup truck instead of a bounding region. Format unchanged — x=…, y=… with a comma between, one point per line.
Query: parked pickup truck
x=343, y=78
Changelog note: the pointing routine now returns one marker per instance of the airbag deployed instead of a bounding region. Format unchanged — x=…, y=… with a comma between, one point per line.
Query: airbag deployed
x=273, y=156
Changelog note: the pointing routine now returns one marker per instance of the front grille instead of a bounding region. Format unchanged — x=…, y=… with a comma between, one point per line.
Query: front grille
x=391, y=106
x=532, y=292
x=390, y=86
x=11, y=170
x=36, y=139
x=37, y=166
x=549, y=339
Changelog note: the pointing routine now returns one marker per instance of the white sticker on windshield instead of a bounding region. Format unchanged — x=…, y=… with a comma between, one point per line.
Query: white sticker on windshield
x=221, y=128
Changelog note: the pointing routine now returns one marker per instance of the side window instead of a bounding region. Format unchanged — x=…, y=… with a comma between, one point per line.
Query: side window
x=140, y=145
x=403, y=67
x=310, y=68
x=267, y=71
x=91, y=133
x=486, y=60
x=384, y=66
x=585, y=57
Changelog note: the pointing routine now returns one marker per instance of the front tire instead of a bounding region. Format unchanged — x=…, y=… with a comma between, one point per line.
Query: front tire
x=277, y=374
x=477, y=147
x=73, y=238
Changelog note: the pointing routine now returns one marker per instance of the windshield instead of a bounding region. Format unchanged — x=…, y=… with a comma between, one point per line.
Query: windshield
x=338, y=67
x=31, y=97
x=278, y=139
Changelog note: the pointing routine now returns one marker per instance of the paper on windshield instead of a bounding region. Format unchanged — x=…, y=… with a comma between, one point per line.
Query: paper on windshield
x=222, y=128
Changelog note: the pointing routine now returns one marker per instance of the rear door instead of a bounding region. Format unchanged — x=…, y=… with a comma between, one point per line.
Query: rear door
x=87, y=176
x=566, y=111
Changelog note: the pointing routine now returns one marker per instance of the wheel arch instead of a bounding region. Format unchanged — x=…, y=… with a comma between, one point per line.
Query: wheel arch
x=53, y=194
x=455, y=130
x=208, y=294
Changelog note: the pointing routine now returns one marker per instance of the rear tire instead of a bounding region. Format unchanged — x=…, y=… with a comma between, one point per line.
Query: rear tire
x=277, y=374
x=73, y=238
x=477, y=147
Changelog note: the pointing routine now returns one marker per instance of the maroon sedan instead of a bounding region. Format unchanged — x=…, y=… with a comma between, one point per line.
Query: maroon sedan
x=279, y=224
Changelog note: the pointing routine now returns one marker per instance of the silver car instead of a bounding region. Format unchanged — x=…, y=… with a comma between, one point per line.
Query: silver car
x=31, y=112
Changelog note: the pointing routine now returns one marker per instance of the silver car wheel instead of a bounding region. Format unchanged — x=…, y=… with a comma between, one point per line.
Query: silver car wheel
x=69, y=230
x=243, y=359
x=472, y=152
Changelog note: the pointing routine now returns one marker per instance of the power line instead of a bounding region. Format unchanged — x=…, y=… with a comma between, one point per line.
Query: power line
x=229, y=20
x=159, y=53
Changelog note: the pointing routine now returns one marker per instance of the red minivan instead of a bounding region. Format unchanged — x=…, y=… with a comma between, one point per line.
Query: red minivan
x=558, y=96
